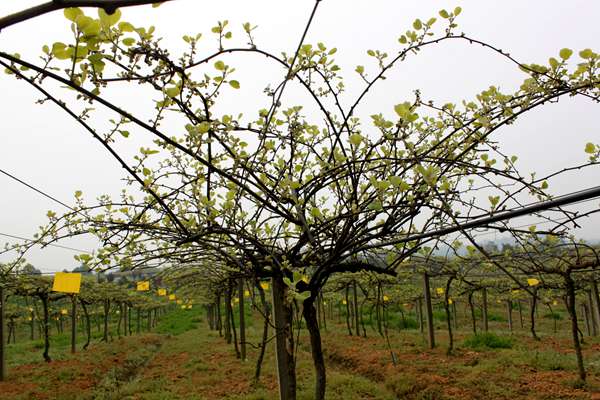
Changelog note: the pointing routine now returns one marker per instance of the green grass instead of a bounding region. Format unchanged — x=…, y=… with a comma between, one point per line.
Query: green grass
x=179, y=321
x=488, y=340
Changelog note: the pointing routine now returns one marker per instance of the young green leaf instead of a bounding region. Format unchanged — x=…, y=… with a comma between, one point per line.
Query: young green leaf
x=565, y=53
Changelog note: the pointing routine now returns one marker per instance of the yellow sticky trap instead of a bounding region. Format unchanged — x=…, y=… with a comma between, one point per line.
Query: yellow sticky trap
x=439, y=290
x=172, y=297
x=66, y=282
x=143, y=286
x=449, y=301
x=555, y=303
x=533, y=282
x=344, y=302
x=162, y=292
x=247, y=293
x=64, y=311
x=236, y=300
x=264, y=285
x=385, y=298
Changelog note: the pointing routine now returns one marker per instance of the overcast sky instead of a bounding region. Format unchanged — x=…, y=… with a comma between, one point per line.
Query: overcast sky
x=45, y=148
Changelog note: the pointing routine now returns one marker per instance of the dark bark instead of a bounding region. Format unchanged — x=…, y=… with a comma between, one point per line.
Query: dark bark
x=106, y=311
x=484, y=309
x=472, y=309
x=2, y=334
x=355, y=303
x=455, y=315
x=378, y=313
x=232, y=322
x=265, y=335
x=420, y=312
x=596, y=303
x=219, y=319
x=73, y=324
x=532, y=314
x=362, y=318
x=509, y=314
x=593, y=319
x=347, y=301
x=448, y=320
x=429, y=311
x=242, y=320
x=88, y=325
x=32, y=326
x=570, y=286
x=310, y=316
x=520, y=313
x=228, y=315
x=586, y=315
x=120, y=319
x=138, y=320
x=286, y=365
x=46, y=355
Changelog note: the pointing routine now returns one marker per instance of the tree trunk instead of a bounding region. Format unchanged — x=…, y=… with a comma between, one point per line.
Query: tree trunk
x=455, y=315
x=3, y=371
x=509, y=315
x=120, y=311
x=570, y=286
x=346, y=299
x=472, y=309
x=448, y=320
x=32, y=326
x=596, y=301
x=484, y=309
x=44, y=299
x=233, y=330
x=593, y=320
x=228, y=315
x=129, y=312
x=420, y=312
x=219, y=319
x=520, y=313
x=284, y=340
x=323, y=311
x=429, y=311
x=310, y=316
x=356, y=316
x=88, y=325
x=378, y=311
x=532, y=314
x=138, y=321
x=125, y=320
x=73, y=324
x=242, y=320
x=362, y=318
x=106, y=311
x=265, y=335
x=586, y=316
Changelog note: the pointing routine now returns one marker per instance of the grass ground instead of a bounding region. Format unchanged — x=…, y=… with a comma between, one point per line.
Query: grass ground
x=182, y=359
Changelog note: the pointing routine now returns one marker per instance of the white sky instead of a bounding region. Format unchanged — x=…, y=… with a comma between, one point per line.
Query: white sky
x=45, y=148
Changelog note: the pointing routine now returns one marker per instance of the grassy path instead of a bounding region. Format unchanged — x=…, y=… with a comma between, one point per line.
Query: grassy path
x=183, y=360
